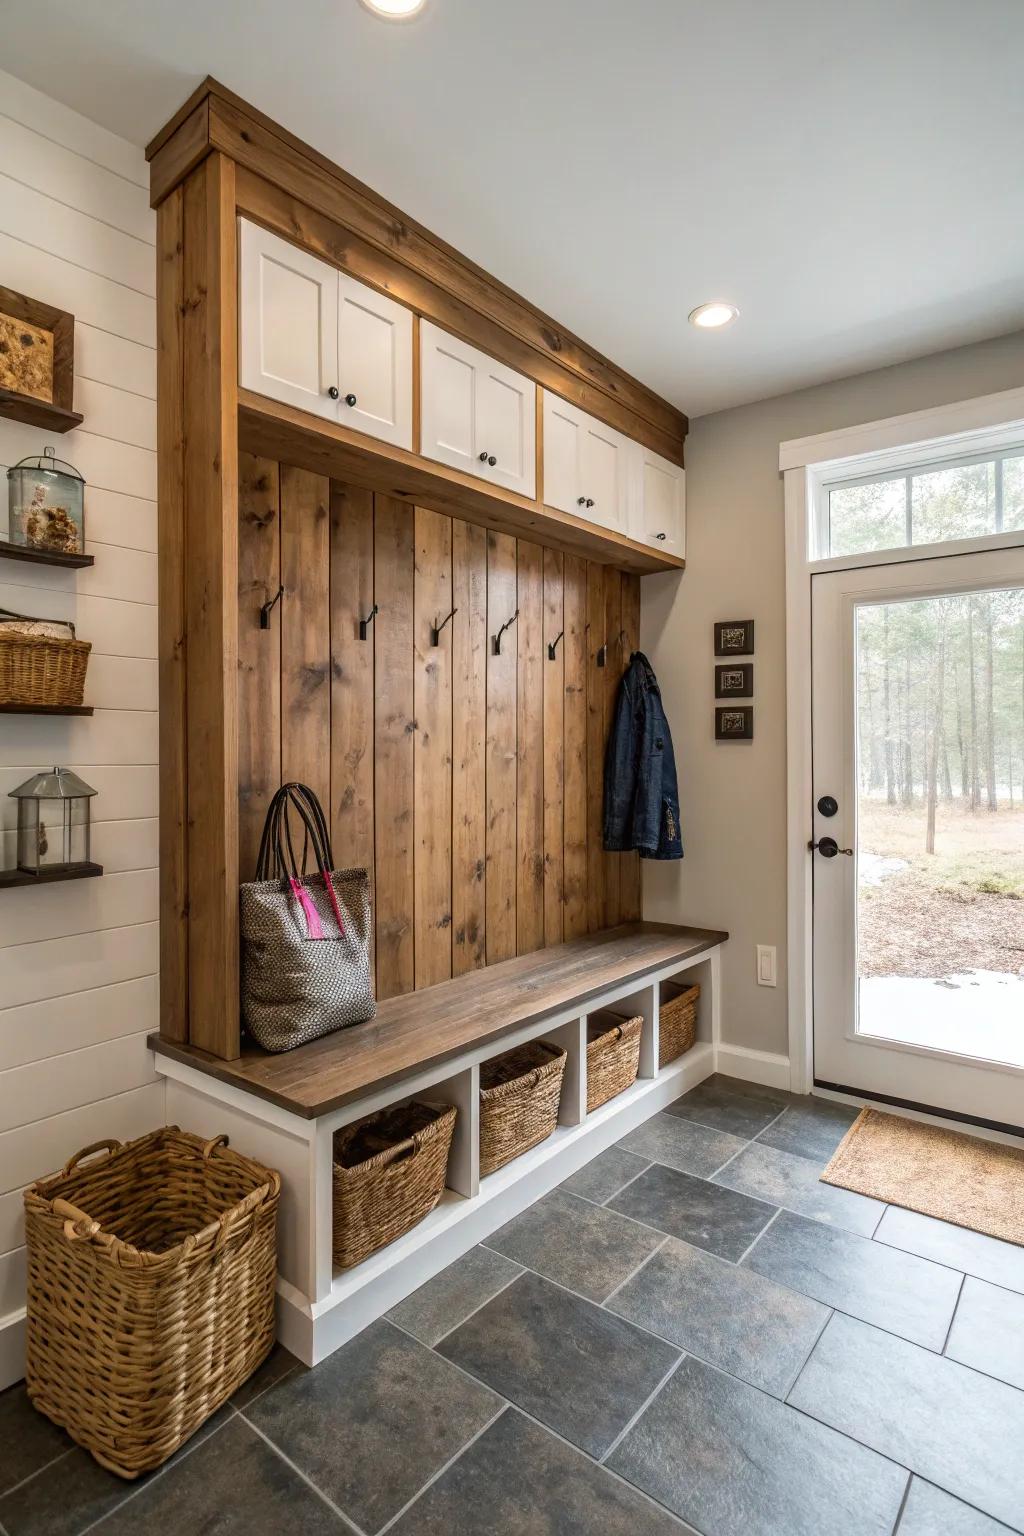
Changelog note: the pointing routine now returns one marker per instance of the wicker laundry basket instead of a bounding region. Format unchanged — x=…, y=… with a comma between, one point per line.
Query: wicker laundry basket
x=677, y=1024
x=613, y=1057
x=519, y=1094
x=389, y=1172
x=151, y=1277
x=42, y=669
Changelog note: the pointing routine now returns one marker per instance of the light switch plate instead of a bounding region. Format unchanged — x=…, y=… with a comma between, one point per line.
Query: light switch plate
x=766, y=970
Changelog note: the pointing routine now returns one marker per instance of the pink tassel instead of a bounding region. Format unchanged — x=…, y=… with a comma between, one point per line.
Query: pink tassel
x=314, y=928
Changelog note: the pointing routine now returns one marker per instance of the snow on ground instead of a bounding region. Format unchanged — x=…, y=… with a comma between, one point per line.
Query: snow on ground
x=973, y=1013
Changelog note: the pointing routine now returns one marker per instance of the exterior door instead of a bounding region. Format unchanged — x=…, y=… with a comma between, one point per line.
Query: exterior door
x=918, y=845
x=288, y=322
x=374, y=363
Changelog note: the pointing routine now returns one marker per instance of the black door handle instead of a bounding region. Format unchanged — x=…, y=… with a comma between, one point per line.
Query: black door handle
x=828, y=848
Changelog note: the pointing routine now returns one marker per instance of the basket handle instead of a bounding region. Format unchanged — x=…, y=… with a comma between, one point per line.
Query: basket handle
x=76, y=1223
x=110, y=1145
x=402, y=1149
x=214, y=1143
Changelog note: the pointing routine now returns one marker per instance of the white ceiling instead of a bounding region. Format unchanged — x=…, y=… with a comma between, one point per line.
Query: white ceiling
x=848, y=172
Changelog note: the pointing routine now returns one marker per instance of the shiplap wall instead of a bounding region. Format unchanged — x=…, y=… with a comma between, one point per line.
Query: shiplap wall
x=78, y=962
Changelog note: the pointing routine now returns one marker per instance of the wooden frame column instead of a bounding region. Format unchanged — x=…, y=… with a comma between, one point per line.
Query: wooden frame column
x=198, y=532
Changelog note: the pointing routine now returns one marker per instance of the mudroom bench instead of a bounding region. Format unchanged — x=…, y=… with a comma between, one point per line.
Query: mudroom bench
x=285, y=1109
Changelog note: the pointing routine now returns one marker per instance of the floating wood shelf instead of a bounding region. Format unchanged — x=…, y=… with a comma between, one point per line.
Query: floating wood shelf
x=270, y=429
x=9, y=877
x=45, y=709
x=37, y=413
x=9, y=551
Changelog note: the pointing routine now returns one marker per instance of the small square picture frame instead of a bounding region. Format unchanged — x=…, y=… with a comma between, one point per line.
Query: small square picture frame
x=734, y=637
x=734, y=722
x=734, y=680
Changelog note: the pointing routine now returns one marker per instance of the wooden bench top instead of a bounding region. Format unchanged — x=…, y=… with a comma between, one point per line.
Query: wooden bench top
x=441, y=1022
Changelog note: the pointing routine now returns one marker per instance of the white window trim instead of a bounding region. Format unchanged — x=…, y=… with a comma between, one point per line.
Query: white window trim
x=917, y=440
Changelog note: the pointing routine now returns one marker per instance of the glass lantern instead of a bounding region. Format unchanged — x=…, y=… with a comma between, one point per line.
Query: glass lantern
x=53, y=822
x=47, y=508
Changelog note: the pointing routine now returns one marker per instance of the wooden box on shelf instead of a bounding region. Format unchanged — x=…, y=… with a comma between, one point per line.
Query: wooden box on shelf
x=37, y=360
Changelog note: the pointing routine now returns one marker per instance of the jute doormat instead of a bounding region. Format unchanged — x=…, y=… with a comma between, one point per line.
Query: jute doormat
x=972, y=1183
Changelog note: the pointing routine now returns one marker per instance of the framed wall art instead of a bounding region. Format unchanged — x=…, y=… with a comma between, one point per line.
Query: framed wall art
x=734, y=722
x=735, y=681
x=734, y=637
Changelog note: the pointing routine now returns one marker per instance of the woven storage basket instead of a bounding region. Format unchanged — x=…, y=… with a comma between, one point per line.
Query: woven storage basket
x=151, y=1277
x=519, y=1094
x=677, y=1024
x=389, y=1172
x=38, y=669
x=613, y=1057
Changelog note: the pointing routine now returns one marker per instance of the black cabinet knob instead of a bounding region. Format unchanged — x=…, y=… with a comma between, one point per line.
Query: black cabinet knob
x=483, y=457
x=661, y=535
x=589, y=501
x=350, y=400
x=491, y=460
x=581, y=501
x=334, y=391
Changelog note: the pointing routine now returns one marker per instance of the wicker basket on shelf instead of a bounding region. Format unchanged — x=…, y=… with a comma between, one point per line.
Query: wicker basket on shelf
x=519, y=1094
x=677, y=1024
x=613, y=1057
x=41, y=663
x=151, y=1278
x=389, y=1172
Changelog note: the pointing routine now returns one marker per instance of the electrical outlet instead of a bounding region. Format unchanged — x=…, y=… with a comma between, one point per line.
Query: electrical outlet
x=766, y=972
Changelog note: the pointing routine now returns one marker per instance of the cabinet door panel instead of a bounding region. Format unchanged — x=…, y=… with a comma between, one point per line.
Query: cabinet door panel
x=506, y=413
x=661, y=519
x=561, y=455
x=374, y=363
x=447, y=405
x=604, y=475
x=288, y=322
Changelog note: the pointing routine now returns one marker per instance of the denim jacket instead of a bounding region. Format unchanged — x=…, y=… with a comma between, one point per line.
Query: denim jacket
x=641, y=795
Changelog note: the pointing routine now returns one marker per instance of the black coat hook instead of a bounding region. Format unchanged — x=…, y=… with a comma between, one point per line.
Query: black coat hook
x=553, y=646
x=508, y=625
x=436, y=628
x=602, y=654
x=364, y=624
x=268, y=609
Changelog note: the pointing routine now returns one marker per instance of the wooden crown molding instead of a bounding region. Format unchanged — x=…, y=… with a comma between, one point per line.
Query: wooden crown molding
x=215, y=119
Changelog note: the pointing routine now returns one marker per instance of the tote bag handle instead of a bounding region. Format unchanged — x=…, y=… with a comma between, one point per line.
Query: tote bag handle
x=277, y=859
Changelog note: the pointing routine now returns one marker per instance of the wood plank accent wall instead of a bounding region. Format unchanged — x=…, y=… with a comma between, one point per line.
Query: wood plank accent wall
x=468, y=783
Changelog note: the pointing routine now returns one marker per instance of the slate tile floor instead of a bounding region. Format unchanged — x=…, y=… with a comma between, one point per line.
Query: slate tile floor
x=691, y=1335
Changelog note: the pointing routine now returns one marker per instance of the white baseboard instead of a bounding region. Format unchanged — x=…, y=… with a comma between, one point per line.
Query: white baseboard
x=12, y=1348
x=763, y=1067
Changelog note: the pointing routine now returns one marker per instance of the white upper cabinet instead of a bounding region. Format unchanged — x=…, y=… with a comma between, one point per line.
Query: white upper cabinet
x=287, y=323
x=476, y=414
x=315, y=338
x=660, y=508
x=588, y=467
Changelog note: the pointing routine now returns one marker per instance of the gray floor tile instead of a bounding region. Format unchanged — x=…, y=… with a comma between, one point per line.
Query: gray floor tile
x=811, y=1127
x=585, y=1247
x=792, y=1181
x=233, y=1485
x=27, y=1440
x=517, y=1478
x=681, y=1144
x=728, y=1315
x=727, y=1104
x=605, y=1174
x=75, y=1492
x=930, y=1512
x=718, y=1219
x=951, y=1425
x=278, y=1364
x=447, y=1300
x=568, y=1363
x=988, y=1331
x=897, y=1291
x=973, y=1252
x=735, y=1462
x=374, y=1421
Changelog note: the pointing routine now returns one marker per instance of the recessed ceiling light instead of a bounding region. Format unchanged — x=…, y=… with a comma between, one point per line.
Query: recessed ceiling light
x=395, y=10
x=712, y=316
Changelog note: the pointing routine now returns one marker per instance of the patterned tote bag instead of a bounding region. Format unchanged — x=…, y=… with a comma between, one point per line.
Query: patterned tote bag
x=305, y=936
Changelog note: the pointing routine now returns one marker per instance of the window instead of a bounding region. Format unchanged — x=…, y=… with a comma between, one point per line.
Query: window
x=965, y=499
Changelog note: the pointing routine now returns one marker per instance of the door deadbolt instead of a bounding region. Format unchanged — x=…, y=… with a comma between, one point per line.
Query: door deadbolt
x=828, y=805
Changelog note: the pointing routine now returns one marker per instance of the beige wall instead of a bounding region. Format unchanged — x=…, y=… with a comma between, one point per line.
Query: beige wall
x=733, y=794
